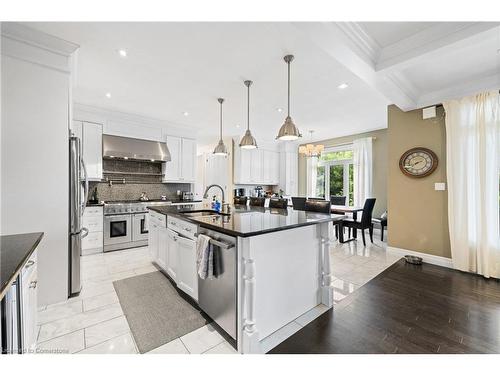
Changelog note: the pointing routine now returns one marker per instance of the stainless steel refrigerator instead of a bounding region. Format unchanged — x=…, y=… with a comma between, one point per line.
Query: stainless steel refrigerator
x=78, y=194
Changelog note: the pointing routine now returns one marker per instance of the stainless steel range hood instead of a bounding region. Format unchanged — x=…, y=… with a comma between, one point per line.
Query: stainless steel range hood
x=134, y=149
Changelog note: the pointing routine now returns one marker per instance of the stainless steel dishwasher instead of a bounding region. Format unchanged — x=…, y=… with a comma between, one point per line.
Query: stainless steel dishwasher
x=217, y=296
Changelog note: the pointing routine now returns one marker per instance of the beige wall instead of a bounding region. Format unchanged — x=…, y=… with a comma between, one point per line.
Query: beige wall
x=379, y=166
x=418, y=215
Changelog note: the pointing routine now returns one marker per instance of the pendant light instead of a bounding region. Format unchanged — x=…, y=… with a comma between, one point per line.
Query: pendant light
x=248, y=141
x=221, y=148
x=288, y=131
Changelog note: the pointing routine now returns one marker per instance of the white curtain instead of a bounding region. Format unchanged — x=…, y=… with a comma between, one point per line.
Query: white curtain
x=311, y=176
x=363, y=170
x=473, y=166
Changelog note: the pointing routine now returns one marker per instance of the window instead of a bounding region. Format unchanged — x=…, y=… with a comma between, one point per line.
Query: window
x=335, y=173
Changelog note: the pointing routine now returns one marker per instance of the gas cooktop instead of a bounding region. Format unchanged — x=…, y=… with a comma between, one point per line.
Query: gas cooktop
x=131, y=207
x=136, y=201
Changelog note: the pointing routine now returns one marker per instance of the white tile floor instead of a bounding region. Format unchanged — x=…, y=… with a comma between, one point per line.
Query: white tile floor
x=94, y=322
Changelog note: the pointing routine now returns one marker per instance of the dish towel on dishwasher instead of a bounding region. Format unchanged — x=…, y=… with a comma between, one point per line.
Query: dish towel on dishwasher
x=204, y=257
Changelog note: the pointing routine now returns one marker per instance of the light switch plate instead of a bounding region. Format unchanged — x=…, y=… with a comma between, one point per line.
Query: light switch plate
x=429, y=112
x=440, y=186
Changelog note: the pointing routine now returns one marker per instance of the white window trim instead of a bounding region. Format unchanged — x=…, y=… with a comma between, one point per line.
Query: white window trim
x=328, y=164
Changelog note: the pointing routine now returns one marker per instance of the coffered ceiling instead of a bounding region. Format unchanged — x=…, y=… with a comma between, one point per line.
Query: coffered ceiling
x=176, y=71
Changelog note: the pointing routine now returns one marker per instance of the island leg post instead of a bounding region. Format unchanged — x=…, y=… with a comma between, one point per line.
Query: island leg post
x=326, y=281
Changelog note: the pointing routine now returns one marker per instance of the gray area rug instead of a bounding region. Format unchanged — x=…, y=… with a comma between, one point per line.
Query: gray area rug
x=155, y=311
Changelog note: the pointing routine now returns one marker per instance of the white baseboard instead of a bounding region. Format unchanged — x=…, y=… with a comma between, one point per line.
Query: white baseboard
x=427, y=258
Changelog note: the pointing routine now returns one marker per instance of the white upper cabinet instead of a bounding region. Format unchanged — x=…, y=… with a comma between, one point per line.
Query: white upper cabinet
x=258, y=166
x=188, y=160
x=182, y=167
x=90, y=135
x=172, y=168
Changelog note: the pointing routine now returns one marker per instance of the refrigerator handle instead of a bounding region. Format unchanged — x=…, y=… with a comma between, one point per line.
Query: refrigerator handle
x=86, y=186
x=84, y=232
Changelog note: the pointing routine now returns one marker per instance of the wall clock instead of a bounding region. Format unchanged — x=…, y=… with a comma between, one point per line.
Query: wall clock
x=418, y=162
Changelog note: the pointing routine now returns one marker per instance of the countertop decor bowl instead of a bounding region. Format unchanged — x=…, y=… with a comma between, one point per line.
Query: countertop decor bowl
x=413, y=259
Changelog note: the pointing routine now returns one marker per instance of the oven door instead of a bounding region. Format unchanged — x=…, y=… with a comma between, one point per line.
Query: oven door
x=117, y=229
x=141, y=230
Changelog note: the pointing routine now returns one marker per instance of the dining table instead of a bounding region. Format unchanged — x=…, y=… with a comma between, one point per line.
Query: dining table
x=336, y=209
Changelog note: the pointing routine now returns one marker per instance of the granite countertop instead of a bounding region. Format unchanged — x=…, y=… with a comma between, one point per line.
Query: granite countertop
x=15, y=251
x=94, y=204
x=184, y=201
x=252, y=221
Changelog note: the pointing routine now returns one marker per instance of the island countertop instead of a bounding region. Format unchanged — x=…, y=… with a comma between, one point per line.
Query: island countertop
x=246, y=221
x=15, y=251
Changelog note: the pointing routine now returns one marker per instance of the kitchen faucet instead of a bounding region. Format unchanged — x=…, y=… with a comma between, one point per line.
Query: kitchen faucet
x=205, y=195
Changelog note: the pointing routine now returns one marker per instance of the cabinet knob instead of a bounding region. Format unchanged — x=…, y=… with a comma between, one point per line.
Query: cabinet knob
x=33, y=284
x=30, y=263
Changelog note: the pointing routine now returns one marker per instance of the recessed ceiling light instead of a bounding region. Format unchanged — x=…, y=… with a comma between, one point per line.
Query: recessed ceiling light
x=279, y=110
x=185, y=113
x=108, y=95
x=343, y=86
x=122, y=52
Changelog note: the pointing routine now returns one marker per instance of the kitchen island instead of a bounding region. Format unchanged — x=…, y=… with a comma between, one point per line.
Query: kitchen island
x=282, y=267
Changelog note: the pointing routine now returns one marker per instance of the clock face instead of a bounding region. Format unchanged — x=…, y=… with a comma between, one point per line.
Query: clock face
x=418, y=162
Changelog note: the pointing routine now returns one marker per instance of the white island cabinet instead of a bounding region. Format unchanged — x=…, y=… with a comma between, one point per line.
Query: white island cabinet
x=273, y=266
x=172, y=248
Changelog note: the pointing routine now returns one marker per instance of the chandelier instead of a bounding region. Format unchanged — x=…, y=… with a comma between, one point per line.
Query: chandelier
x=311, y=151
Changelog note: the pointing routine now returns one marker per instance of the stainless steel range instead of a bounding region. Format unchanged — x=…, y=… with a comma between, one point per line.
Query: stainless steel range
x=126, y=223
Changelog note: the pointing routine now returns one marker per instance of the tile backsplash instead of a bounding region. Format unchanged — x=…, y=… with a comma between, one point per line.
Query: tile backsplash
x=139, y=177
x=133, y=191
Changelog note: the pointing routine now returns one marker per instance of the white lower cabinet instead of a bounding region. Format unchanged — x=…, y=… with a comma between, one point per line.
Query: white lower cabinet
x=93, y=220
x=153, y=238
x=175, y=253
x=162, y=247
x=172, y=254
x=187, y=277
x=29, y=280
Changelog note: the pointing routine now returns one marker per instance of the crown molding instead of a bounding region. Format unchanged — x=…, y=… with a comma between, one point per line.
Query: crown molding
x=366, y=45
x=478, y=84
x=433, y=40
x=112, y=118
x=30, y=45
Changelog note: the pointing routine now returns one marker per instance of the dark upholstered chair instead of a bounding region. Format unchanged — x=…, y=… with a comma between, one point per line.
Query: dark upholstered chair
x=338, y=201
x=240, y=201
x=299, y=203
x=366, y=220
x=257, y=201
x=382, y=221
x=317, y=206
x=278, y=203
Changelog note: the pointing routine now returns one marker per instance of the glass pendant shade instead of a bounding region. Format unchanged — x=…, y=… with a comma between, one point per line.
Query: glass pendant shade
x=221, y=148
x=248, y=141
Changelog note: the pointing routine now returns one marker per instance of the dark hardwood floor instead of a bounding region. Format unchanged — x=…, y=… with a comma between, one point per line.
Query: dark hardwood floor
x=408, y=309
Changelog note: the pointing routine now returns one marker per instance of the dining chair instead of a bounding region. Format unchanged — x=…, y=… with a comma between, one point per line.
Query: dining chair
x=317, y=206
x=382, y=221
x=240, y=201
x=278, y=203
x=366, y=220
x=299, y=203
x=338, y=200
x=257, y=201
